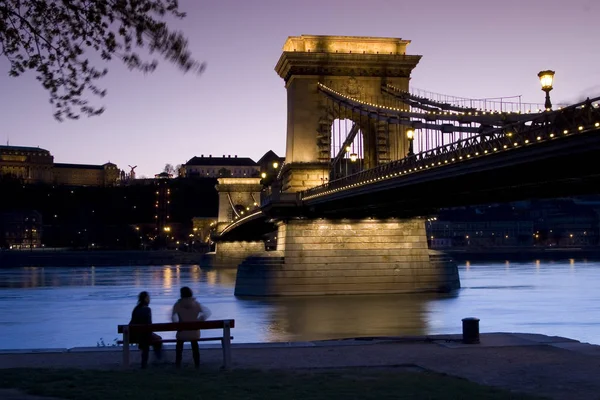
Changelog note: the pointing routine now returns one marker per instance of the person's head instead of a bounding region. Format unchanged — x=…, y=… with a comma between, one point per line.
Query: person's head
x=185, y=292
x=144, y=298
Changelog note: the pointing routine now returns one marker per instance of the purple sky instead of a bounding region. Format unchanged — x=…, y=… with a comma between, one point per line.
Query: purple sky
x=470, y=48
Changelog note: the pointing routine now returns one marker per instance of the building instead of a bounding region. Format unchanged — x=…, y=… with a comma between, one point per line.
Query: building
x=85, y=175
x=36, y=165
x=20, y=229
x=31, y=164
x=270, y=162
x=224, y=167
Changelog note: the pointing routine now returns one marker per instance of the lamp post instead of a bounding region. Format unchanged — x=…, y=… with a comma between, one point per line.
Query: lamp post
x=547, y=79
x=410, y=134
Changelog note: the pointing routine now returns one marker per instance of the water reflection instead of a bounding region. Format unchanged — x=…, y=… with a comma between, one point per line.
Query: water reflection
x=329, y=317
x=68, y=307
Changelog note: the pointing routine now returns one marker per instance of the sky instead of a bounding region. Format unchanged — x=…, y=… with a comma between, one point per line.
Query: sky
x=470, y=48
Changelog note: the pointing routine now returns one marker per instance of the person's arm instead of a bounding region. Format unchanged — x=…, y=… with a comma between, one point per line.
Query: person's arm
x=175, y=313
x=204, y=313
x=148, y=315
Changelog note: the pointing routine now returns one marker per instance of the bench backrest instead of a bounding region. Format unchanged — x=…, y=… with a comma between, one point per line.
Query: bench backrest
x=178, y=326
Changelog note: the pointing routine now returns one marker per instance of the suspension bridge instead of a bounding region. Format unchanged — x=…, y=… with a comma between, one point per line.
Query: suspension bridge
x=410, y=152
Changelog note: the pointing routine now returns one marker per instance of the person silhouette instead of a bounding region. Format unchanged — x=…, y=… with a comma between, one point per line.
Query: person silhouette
x=141, y=315
x=187, y=309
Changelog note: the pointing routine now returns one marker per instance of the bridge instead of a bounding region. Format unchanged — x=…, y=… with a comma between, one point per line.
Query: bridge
x=361, y=229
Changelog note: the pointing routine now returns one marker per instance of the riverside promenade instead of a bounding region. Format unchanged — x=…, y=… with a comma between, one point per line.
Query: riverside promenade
x=552, y=367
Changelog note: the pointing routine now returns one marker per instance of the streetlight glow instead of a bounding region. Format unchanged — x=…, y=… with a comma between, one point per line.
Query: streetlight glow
x=348, y=148
x=353, y=157
x=410, y=134
x=547, y=80
x=275, y=164
x=263, y=175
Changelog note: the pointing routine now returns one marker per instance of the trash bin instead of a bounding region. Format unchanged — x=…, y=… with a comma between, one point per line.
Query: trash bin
x=470, y=328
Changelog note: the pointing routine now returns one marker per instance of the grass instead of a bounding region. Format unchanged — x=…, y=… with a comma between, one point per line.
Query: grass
x=189, y=384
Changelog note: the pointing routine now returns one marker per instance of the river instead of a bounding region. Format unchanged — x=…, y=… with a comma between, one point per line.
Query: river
x=56, y=307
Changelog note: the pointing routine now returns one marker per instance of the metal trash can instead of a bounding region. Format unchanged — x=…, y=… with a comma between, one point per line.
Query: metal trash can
x=470, y=327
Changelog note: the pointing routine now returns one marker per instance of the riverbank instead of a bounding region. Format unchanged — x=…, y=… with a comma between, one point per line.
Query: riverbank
x=522, y=254
x=554, y=367
x=97, y=258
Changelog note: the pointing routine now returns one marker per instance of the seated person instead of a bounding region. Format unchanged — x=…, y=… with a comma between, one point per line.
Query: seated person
x=187, y=309
x=142, y=314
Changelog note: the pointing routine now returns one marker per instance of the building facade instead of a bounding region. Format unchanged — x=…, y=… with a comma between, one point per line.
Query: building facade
x=31, y=164
x=36, y=165
x=221, y=167
x=20, y=229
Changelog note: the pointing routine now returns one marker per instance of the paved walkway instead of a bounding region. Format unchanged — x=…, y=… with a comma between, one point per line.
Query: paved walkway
x=555, y=367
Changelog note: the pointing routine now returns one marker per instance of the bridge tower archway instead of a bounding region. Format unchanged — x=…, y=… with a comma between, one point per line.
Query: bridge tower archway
x=356, y=67
x=236, y=197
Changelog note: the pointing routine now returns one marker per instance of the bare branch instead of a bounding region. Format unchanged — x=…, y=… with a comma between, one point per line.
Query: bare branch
x=52, y=36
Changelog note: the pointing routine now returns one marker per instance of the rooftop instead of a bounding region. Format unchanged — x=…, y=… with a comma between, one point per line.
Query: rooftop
x=22, y=148
x=228, y=161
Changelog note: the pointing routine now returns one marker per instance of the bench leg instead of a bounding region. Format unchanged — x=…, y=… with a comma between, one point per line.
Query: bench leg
x=126, y=347
x=226, y=344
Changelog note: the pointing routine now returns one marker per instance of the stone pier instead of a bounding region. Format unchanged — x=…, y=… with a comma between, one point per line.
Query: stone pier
x=324, y=257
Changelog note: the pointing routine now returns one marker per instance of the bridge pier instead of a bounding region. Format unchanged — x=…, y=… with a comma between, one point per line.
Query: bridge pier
x=369, y=256
x=231, y=254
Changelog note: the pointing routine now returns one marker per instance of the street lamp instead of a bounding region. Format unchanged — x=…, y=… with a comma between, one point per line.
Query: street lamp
x=353, y=157
x=410, y=134
x=275, y=164
x=347, y=149
x=263, y=175
x=547, y=79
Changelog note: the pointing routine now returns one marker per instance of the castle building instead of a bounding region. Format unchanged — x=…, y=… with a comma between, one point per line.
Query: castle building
x=224, y=167
x=36, y=165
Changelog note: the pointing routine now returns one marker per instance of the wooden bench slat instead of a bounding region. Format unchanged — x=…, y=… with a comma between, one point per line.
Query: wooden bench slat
x=178, y=326
x=175, y=340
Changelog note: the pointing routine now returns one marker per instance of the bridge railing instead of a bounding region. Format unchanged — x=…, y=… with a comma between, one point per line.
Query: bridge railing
x=578, y=118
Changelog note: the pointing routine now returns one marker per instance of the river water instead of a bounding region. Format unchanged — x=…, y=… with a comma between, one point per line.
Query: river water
x=80, y=307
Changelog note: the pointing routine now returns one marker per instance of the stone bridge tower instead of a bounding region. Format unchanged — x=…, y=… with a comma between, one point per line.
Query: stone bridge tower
x=354, y=66
x=236, y=197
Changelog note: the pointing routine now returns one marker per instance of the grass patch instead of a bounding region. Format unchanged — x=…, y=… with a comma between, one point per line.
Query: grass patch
x=187, y=384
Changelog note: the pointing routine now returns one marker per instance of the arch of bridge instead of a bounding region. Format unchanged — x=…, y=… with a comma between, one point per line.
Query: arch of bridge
x=354, y=66
x=236, y=196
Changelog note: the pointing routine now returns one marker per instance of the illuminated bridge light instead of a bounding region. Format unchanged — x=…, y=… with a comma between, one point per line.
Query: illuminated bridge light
x=516, y=144
x=552, y=135
x=485, y=152
x=597, y=124
x=445, y=161
x=505, y=146
x=460, y=158
x=565, y=131
x=526, y=141
x=468, y=156
x=476, y=153
x=495, y=149
x=453, y=159
x=539, y=138
x=580, y=128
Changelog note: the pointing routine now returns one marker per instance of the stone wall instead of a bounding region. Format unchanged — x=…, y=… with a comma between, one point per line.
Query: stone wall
x=349, y=257
x=232, y=254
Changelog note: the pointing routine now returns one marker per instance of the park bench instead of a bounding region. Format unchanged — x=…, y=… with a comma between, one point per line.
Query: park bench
x=225, y=324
